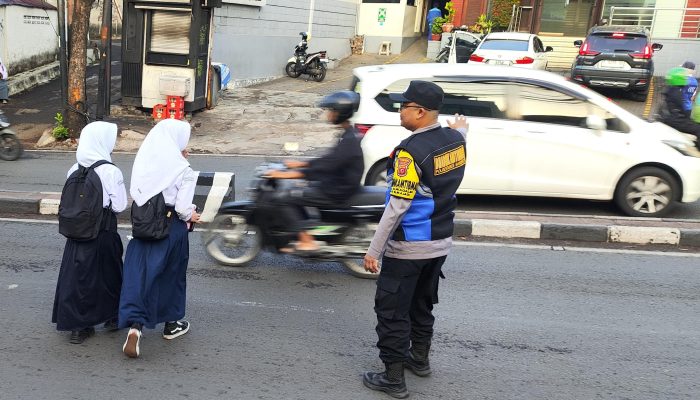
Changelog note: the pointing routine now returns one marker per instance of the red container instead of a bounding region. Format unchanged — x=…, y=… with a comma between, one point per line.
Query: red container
x=176, y=114
x=175, y=103
x=159, y=111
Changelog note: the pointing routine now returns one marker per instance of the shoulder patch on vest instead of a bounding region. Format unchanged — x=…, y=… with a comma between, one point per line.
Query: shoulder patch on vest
x=405, y=180
x=450, y=160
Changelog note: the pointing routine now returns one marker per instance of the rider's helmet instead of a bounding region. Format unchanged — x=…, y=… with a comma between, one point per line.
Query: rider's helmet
x=304, y=35
x=345, y=103
x=677, y=76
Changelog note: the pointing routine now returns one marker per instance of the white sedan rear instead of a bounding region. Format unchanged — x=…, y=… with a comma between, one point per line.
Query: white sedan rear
x=515, y=49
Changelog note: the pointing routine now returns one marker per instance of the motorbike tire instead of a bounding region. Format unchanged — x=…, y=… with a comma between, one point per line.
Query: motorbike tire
x=291, y=70
x=10, y=147
x=231, y=241
x=321, y=74
x=359, y=234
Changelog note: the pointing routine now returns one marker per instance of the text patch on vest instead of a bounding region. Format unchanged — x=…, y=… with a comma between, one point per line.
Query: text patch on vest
x=450, y=160
x=405, y=180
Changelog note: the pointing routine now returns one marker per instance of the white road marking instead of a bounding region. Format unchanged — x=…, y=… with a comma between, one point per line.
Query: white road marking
x=219, y=187
x=13, y=286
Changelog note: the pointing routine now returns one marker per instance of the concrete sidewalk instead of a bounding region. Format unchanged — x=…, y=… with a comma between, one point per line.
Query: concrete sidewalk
x=469, y=225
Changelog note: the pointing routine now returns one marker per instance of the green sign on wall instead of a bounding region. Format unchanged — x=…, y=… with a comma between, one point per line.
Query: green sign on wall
x=381, y=16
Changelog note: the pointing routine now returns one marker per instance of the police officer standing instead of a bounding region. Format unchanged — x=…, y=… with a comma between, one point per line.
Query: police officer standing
x=415, y=234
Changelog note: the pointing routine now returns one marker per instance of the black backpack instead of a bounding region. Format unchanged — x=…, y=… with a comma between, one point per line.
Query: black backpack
x=80, y=211
x=152, y=220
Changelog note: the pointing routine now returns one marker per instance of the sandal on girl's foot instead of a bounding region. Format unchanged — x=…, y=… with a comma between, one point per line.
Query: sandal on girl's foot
x=131, y=346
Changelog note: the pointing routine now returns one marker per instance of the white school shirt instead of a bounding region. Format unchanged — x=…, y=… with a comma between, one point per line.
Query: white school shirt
x=181, y=194
x=112, y=186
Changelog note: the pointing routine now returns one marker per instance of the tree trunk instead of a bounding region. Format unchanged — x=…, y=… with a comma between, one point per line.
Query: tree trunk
x=75, y=121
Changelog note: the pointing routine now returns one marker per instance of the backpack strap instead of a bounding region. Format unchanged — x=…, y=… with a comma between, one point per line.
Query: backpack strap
x=98, y=163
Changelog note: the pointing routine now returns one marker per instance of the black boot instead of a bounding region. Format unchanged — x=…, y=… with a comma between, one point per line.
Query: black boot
x=391, y=381
x=418, y=361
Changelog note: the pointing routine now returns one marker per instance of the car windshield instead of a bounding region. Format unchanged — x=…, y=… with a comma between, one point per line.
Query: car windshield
x=505, y=44
x=616, y=44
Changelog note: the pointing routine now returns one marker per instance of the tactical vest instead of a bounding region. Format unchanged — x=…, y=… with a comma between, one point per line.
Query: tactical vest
x=440, y=154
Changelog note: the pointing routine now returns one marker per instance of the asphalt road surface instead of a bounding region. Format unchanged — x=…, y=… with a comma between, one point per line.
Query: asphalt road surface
x=45, y=171
x=512, y=323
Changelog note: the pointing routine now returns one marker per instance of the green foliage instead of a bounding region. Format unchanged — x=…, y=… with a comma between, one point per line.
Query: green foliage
x=501, y=12
x=483, y=25
x=450, y=8
x=60, y=132
x=436, y=27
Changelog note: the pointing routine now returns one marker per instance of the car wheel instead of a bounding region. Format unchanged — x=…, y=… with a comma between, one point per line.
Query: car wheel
x=377, y=175
x=640, y=95
x=647, y=192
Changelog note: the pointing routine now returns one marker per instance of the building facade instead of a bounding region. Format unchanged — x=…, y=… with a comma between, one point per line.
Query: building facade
x=27, y=34
x=255, y=38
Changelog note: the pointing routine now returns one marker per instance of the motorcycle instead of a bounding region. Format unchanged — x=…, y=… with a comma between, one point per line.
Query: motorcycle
x=314, y=64
x=10, y=146
x=241, y=229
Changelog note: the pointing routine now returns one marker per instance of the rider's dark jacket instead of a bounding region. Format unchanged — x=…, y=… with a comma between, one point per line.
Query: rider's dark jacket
x=339, y=171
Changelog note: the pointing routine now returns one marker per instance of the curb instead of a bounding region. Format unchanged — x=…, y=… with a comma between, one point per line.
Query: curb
x=35, y=77
x=506, y=229
x=212, y=190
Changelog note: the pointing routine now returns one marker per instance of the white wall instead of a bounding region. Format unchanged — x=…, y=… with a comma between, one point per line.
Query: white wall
x=27, y=37
x=393, y=25
x=668, y=22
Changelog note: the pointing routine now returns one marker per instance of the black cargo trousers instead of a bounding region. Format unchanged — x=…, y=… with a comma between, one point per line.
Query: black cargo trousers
x=406, y=293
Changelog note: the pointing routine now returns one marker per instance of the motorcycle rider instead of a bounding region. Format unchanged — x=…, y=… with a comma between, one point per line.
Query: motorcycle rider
x=331, y=179
x=672, y=112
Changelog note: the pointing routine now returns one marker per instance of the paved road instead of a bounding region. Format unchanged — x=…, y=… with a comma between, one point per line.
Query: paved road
x=513, y=323
x=45, y=171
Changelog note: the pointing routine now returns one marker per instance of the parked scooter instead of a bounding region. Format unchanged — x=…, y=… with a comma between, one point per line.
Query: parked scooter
x=10, y=146
x=241, y=229
x=460, y=45
x=314, y=64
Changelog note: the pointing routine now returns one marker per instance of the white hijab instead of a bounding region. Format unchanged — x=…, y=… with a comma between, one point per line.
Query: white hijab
x=96, y=143
x=159, y=161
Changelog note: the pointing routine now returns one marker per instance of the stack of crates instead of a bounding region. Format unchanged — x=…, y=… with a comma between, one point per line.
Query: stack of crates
x=174, y=108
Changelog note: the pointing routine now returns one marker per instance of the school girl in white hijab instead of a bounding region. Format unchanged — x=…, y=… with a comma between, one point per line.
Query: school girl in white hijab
x=154, y=286
x=89, y=282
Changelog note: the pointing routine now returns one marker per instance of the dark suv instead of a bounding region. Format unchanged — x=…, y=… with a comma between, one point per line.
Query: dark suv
x=616, y=57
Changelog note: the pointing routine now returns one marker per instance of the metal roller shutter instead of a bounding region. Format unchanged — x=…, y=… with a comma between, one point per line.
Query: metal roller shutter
x=170, y=32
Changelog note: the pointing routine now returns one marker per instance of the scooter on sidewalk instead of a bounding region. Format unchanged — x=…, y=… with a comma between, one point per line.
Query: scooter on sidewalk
x=10, y=146
x=314, y=64
x=460, y=45
x=241, y=229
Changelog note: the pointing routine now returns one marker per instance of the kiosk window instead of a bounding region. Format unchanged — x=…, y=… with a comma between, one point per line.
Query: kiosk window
x=170, y=32
x=169, y=38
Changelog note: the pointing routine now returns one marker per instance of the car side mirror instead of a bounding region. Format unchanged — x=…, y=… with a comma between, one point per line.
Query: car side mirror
x=578, y=43
x=657, y=46
x=596, y=123
x=548, y=48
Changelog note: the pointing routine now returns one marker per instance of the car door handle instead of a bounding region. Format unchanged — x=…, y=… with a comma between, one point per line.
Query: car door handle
x=493, y=128
x=536, y=131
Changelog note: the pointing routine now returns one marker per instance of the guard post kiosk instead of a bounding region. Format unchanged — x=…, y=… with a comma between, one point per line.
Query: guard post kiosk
x=166, y=50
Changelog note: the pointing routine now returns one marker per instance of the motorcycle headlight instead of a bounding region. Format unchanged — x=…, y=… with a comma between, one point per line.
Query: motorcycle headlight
x=683, y=148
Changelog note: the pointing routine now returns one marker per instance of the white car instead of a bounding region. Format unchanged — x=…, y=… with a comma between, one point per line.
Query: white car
x=534, y=133
x=516, y=49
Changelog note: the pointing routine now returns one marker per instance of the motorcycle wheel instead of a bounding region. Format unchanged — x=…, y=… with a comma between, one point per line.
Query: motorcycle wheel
x=359, y=235
x=321, y=75
x=10, y=147
x=291, y=70
x=231, y=241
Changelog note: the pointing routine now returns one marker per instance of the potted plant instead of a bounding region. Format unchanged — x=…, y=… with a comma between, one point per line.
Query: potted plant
x=448, y=25
x=436, y=28
x=482, y=25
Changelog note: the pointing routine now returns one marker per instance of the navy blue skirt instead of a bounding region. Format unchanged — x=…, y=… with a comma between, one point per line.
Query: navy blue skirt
x=154, y=285
x=87, y=290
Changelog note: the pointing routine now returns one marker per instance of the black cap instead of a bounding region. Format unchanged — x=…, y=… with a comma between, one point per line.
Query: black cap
x=689, y=65
x=423, y=93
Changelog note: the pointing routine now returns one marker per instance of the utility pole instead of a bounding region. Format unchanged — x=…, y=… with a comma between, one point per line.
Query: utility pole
x=104, y=89
x=62, y=51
